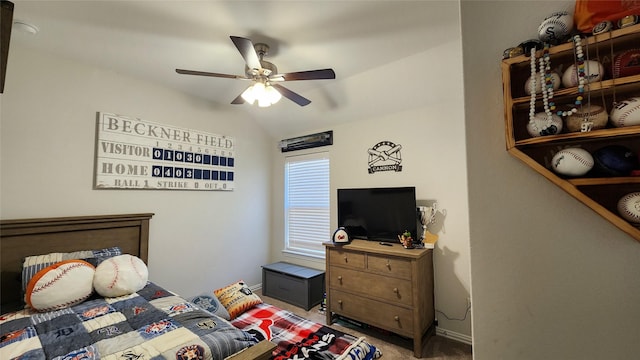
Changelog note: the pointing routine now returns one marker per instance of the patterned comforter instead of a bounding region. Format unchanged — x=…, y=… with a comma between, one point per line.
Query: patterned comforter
x=299, y=338
x=152, y=323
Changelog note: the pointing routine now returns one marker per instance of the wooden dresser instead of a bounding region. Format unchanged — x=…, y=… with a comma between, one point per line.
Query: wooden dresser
x=389, y=287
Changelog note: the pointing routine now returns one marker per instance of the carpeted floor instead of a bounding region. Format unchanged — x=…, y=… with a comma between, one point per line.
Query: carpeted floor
x=392, y=346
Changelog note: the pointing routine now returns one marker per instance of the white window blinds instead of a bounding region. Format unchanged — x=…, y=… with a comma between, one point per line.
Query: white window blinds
x=306, y=203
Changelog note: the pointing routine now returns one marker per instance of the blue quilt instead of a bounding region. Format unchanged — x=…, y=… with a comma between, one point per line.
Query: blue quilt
x=150, y=324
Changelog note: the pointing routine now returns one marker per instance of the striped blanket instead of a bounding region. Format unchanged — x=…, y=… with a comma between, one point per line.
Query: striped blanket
x=299, y=338
x=152, y=323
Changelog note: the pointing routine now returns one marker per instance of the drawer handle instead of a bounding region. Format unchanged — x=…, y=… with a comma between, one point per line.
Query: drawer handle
x=388, y=265
x=396, y=318
x=395, y=290
x=340, y=303
x=345, y=259
x=340, y=279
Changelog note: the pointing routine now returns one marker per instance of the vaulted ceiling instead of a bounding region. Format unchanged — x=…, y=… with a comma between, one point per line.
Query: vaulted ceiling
x=360, y=40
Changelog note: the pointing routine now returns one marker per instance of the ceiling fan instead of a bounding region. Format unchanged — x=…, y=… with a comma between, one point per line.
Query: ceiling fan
x=265, y=88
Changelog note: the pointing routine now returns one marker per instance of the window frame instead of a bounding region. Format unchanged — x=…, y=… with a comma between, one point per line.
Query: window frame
x=320, y=205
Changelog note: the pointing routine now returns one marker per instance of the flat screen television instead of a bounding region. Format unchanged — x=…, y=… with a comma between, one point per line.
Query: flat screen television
x=378, y=214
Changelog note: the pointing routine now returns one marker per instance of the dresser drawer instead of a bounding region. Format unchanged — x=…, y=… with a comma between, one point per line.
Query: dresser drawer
x=346, y=258
x=389, y=289
x=389, y=265
x=390, y=317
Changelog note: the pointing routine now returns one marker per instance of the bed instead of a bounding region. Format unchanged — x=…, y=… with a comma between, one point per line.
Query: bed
x=111, y=328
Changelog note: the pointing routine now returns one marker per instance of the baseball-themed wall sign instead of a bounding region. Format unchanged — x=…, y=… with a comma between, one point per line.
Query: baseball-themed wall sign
x=137, y=154
x=385, y=156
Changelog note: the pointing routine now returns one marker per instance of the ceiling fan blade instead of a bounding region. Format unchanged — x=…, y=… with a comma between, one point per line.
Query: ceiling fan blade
x=248, y=52
x=295, y=97
x=238, y=100
x=202, y=73
x=307, y=75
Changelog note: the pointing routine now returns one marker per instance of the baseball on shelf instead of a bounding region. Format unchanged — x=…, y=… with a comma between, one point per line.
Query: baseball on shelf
x=626, y=113
x=629, y=207
x=626, y=63
x=593, y=114
x=556, y=27
x=593, y=72
x=555, y=80
x=536, y=126
x=572, y=162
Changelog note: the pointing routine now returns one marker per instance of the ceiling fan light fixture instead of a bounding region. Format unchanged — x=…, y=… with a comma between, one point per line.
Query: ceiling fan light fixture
x=272, y=94
x=266, y=95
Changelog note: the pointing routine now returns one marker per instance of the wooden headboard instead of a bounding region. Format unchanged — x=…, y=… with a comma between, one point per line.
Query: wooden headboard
x=25, y=237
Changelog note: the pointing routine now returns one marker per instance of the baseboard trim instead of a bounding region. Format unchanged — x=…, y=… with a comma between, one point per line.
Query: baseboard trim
x=255, y=287
x=454, y=335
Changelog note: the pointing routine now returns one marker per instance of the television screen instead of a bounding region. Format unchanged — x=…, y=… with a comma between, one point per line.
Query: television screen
x=379, y=214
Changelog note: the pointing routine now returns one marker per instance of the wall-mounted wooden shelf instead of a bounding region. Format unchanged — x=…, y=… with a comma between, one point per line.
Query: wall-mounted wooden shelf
x=601, y=194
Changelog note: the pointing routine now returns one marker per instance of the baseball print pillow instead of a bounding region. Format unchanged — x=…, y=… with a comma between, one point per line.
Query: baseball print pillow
x=60, y=285
x=120, y=275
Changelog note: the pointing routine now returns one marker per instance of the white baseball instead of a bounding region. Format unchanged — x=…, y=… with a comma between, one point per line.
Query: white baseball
x=61, y=285
x=572, y=162
x=535, y=126
x=626, y=113
x=555, y=81
x=593, y=72
x=629, y=207
x=120, y=275
x=555, y=27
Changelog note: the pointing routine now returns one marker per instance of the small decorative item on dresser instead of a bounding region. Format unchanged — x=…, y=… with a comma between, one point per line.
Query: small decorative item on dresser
x=629, y=207
x=406, y=240
x=341, y=236
x=572, y=162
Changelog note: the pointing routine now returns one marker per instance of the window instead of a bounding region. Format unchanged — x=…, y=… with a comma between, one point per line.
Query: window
x=306, y=204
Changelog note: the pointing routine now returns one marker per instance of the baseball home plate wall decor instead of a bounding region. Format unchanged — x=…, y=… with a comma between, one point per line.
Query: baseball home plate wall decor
x=385, y=156
x=136, y=154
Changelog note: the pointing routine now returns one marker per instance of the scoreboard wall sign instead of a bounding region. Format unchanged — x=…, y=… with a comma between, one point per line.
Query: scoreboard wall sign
x=137, y=154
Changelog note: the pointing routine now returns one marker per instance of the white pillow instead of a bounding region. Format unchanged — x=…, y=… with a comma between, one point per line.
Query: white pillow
x=60, y=285
x=120, y=275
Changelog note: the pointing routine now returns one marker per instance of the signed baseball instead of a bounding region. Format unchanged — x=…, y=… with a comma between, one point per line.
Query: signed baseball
x=572, y=162
x=556, y=27
x=629, y=207
x=593, y=72
x=592, y=116
x=540, y=125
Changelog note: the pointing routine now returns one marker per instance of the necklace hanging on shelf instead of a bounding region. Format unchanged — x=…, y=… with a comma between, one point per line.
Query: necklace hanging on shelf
x=543, y=123
x=579, y=59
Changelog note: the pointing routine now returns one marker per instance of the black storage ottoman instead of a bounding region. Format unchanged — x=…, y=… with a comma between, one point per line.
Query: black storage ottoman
x=293, y=284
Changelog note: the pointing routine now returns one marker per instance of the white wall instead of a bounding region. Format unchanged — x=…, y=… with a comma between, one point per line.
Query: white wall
x=550, y=278
x=47, y=150
x=431, y=132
